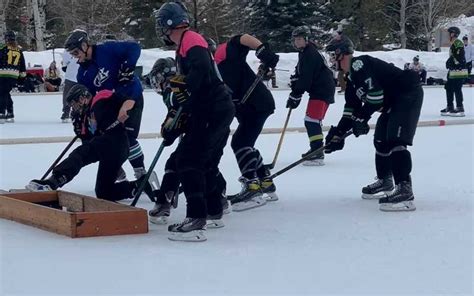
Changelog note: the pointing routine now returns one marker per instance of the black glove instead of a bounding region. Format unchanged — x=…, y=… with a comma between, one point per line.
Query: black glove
x=293, y=101
x=64, y=68
x=293, y=79
x=170, y=132
x=126, y=73
x=268, y=57
x=180, y=96
x=359, y=126
x=334, y=140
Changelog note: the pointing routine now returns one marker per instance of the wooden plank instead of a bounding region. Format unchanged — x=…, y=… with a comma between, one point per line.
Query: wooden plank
x=36, y=215
x=110, y=223
x=99, y=205
x=34, y=197
x=71, y=201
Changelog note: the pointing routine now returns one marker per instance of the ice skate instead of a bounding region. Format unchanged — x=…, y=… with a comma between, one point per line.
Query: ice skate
x=378, y=189
x=400, y=200
x=3, y=118
x=269, y=189
x=190, y=230
x=160, y=213
x=446, y=111
x=249, y=197
x=214, y=221
x=315, y=160
x=458, y=112
x=50, y=184
x=10, y=118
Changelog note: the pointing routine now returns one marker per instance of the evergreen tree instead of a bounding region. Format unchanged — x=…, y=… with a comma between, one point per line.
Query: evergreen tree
x=273, y=21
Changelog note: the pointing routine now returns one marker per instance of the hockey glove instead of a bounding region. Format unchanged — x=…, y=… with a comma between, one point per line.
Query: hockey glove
x=293, y=79
x=126, y=73
x=293, y=101
x=169, y=132
x=268, y=57
x=334, y=140
x=359, y=126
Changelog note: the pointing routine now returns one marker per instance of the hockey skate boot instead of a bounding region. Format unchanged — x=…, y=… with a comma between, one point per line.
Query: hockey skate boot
x=162, y=209
x=190, y=230
x=65, y=118
x=52, y=183
x=269, y=189
x=214, y=221
x=249, y=197
x=400, y=200
x=3, y=118
x=458, y=112
x=10, y=117
x=315, y=160
x=378, y=189
x=446, y=111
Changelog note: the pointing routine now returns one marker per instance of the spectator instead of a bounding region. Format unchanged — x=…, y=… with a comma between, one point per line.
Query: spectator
x=418, y=68
x=52, y=78
x=69, y=67
x=468, y=53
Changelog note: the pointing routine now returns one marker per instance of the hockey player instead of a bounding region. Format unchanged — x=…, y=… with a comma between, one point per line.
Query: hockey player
x=104, y=141
x=207, y=113
x=111, y=65
x=251, y=115
x=374, y=85
x=312, y=75
x=166, y=197
x=12, y=70
x=457, y=73
x=70, y=68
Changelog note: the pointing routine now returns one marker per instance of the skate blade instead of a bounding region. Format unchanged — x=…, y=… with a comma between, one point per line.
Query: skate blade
x=444, y=114
x=249, y=204
x=315, y=162
x=18, y=190
x=271, y=196
x=214, y=224
x=405, y=206
x=192, y=236
x=65, y=120
x=457, y=115
x=377, y=195
x=162, y=220
x=10, y=120
x=33, y=187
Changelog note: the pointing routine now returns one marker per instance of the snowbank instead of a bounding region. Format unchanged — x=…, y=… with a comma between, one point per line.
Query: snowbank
x=434, y=61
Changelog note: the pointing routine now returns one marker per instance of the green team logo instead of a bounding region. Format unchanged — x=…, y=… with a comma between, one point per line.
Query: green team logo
x=357, y=65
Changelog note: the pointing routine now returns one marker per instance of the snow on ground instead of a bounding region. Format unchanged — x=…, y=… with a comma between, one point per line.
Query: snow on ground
x=319, y=238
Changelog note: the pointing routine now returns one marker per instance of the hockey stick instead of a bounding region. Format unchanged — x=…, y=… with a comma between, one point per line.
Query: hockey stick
x=59, y=157
x=272, y=164
x=301, y=160
x=252, y=87
x=153, y=163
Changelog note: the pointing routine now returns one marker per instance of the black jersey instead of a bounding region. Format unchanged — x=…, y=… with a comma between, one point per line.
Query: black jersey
x=373, y=85
x=457, y=59
x=231, y=59
x=12, y=62
x=314, y=76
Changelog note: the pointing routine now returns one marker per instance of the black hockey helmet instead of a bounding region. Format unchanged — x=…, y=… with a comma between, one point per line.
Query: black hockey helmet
x=454, y=30
x=75, y=40
x=10, y=36
x=76, y=92
x=301, y=31
x=171, y=15
x=416, y=59
x=340, y=46
x=163, y=69
x=465, y=37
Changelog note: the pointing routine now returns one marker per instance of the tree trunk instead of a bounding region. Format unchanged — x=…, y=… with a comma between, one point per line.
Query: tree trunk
x=38, y=15
x=403, y=20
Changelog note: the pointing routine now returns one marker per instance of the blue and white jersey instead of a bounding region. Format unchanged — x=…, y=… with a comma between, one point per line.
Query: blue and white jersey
x=102, y=71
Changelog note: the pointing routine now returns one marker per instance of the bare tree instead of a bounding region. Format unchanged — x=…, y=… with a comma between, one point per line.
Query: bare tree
x=400, y=13
x=433, y=12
